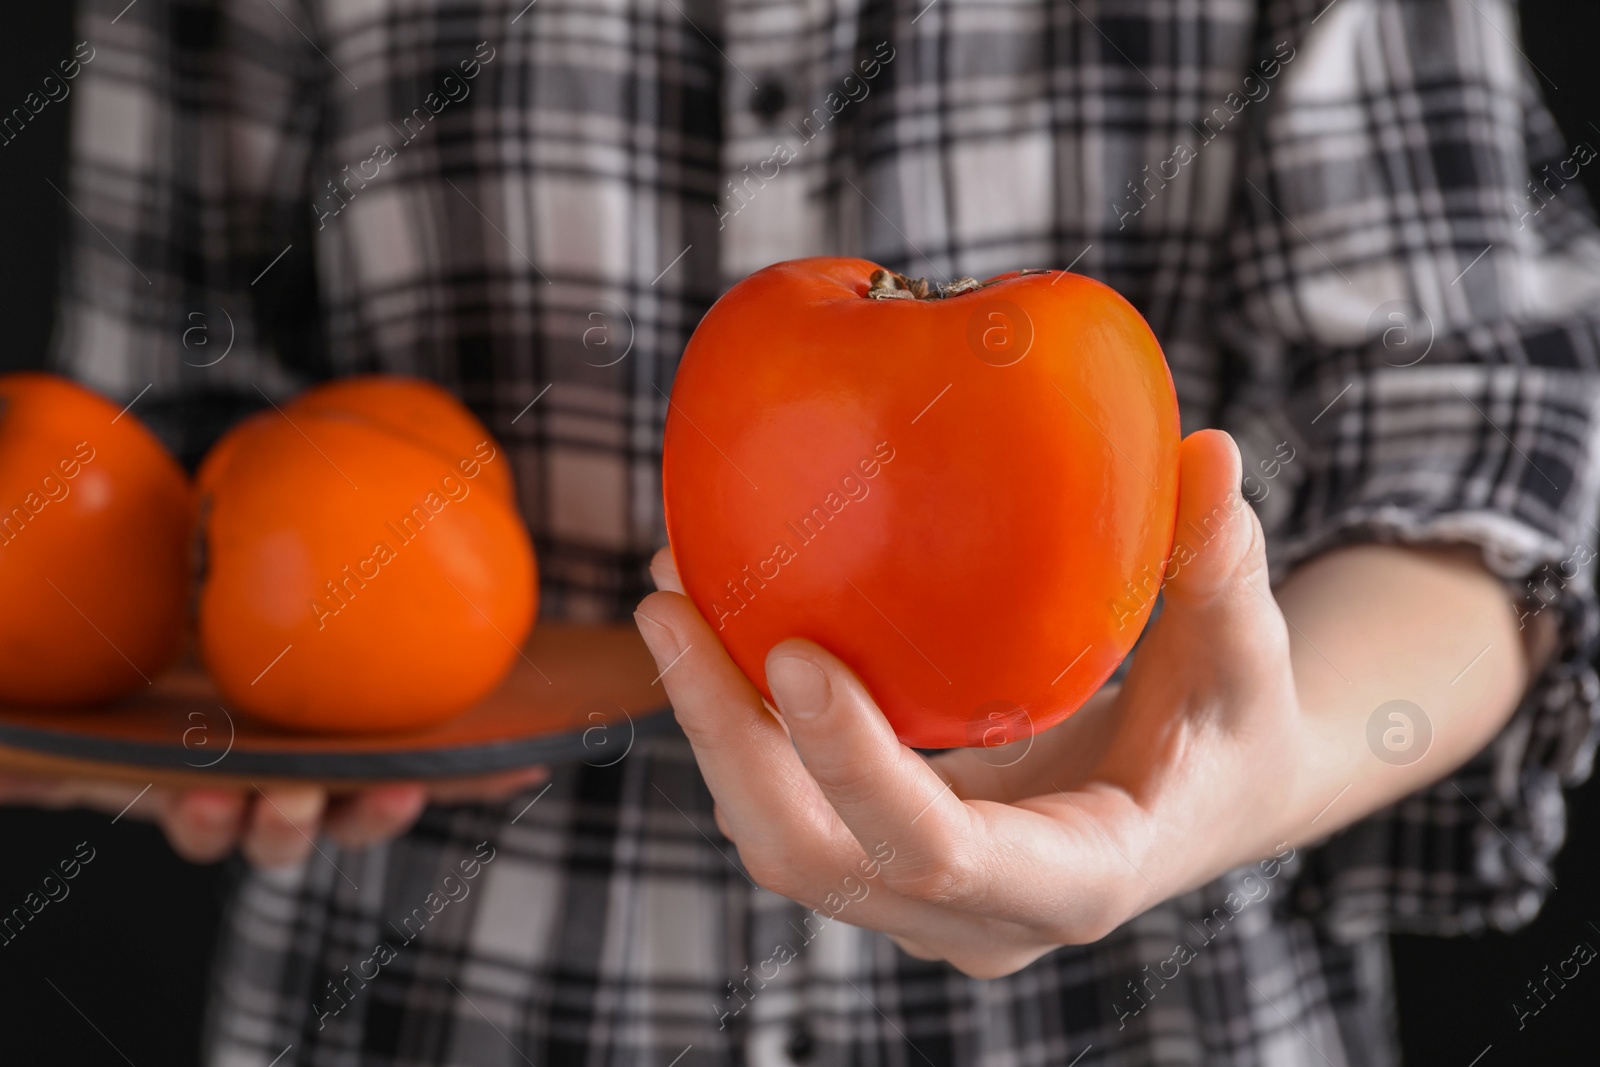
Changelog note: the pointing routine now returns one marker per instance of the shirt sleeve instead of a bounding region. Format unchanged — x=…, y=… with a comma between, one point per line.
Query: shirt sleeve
x=187, y=283
x=1414, y=298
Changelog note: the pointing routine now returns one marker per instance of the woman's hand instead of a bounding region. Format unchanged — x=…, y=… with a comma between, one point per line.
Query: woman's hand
x=273, y=825
x=1210, y=755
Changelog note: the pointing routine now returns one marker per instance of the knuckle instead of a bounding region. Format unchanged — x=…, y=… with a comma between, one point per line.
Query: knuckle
x=723, y=729
x=702, y=736
x=854, y=781
x=937, y=879
x=771, y=871
x=1084, y=931
x=915, y=949
x=1092, y=923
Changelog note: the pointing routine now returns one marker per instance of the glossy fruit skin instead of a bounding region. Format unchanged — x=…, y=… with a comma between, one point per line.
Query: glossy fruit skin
x=990, y=481
x=94, y=546
x=398, y=575
x=412, y=407
x=416, y=408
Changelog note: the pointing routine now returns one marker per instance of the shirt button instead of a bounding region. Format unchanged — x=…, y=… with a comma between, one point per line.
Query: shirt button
x=801, y=1045
x=769, y=99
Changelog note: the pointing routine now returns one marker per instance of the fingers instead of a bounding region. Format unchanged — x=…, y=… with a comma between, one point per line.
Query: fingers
x=843, y=805
x=281, y=825
x=664, y=569
x=1217, y=543
x=32, y=789
x=1062, y=757
x=202, y=825
x=884, y=792
x=373, y=815
x=1044, y=864
x=1220, y=618
x=275, y=826
x=804, y=811
x=1220, y=621
x=744, y=754
x=111, y=797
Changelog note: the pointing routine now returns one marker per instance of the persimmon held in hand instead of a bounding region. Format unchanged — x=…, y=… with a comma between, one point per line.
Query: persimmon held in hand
x=94, y=545
x=365, y=572
x=953, y=489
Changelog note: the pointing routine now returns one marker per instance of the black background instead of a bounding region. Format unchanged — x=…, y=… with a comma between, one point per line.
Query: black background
x=129, y=947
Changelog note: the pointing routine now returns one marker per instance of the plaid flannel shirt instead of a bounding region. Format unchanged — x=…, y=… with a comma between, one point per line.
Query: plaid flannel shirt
x=1348, y=223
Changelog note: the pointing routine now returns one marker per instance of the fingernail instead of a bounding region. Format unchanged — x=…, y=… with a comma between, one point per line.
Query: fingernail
x=663, y=643
x=800, y=688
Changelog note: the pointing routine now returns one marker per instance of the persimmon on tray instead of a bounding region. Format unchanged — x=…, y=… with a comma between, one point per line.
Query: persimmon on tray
x=577, y=693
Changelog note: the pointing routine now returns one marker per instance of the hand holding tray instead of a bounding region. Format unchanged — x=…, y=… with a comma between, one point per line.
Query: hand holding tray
x=582, y=693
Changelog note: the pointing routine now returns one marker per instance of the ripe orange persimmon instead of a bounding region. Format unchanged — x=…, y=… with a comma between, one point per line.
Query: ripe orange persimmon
x=94, y=545
x=415, y=407
x=216, y=460
x=951, y=488
x=364, y=570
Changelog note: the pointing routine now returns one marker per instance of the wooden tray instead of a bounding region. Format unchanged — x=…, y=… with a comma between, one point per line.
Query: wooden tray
x=579, y=694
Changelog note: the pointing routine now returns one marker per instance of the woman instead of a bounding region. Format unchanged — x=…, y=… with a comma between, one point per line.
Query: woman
x=1347, y=224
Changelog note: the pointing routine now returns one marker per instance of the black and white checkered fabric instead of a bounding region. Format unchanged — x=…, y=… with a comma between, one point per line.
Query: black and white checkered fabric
x=1352, y=225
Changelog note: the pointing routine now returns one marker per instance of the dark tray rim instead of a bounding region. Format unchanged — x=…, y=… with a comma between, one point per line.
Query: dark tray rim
x=600, y=745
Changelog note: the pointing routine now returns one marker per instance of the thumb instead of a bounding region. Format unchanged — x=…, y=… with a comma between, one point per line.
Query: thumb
x=1219, y=623
x=1218, y=549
